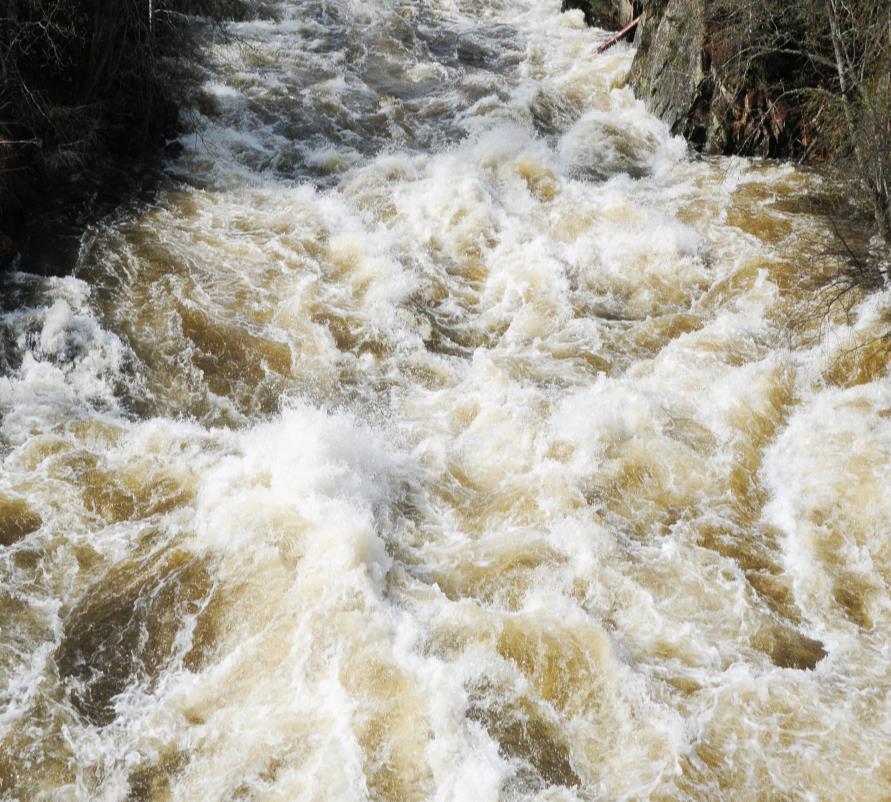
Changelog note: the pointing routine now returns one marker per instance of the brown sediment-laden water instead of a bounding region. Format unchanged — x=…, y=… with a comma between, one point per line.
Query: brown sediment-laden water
x=444, y=431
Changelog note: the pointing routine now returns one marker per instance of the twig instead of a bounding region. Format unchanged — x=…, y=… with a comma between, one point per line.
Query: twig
x=617, y=36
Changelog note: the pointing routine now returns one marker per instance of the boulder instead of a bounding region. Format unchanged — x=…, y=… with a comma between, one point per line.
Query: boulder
x=668, y=71
x=607, y=14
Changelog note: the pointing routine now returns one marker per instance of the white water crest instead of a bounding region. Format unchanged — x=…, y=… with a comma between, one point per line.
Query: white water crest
x=444, y=430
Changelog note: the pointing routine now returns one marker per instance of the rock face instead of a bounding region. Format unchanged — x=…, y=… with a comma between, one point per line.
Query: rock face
x=684, y=72
x=607, y=14
x=669, y=69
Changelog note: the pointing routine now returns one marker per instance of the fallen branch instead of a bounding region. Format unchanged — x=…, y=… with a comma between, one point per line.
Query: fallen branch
x=618, y=36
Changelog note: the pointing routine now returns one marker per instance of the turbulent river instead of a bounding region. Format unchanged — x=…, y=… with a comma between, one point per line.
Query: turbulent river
x=443, y=430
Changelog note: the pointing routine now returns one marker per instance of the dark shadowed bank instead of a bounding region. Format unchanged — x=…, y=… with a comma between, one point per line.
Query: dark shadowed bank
x=89, y=95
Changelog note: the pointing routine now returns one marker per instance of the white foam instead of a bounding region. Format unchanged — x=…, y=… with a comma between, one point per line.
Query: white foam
x=466, y=388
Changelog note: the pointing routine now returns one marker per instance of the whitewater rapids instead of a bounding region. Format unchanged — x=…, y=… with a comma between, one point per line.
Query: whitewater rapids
x=444, y=430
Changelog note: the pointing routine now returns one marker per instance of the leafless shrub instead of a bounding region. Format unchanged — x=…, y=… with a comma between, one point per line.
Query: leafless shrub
x=829, y=59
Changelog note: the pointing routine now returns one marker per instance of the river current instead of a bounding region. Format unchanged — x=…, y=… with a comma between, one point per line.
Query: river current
x=444, y=430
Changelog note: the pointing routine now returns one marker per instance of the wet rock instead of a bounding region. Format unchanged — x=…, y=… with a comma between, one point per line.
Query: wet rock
x=607, y=14
x=668, y=70
x=685, y=72
x=7, y=251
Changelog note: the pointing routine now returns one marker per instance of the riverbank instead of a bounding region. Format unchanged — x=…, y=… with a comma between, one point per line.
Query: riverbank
x=92, y=93
x=806, y=84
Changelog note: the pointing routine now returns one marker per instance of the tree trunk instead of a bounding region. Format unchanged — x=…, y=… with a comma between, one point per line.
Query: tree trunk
x=876, y=187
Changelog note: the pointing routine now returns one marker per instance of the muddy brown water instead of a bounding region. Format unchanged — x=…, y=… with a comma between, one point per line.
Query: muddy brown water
x=444, y=430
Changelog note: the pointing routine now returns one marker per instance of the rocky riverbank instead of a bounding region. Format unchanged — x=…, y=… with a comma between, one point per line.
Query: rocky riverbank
x=808, y=81
x=687, y=70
